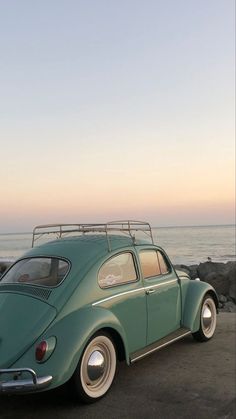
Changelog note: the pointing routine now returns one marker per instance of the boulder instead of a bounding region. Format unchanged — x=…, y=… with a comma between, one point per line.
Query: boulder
x=232, y=282
x=217, y=274
x=206, y=268
x=222, y=277
x=222, y=299
x=4, y=266
x=193, y=271
x=219, y=282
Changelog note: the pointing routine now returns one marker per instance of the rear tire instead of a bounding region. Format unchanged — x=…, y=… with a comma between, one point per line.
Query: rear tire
x=207, y=320
x=96, y=369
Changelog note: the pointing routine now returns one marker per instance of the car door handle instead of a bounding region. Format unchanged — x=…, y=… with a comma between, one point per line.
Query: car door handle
x=150, y=291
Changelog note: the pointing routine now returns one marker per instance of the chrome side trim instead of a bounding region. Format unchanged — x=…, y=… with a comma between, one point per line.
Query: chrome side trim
x=133, y=291
x=160, y=346
x=161, y=284
x=117, y=295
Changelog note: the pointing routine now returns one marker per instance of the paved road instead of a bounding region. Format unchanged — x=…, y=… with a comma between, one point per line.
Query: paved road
x=184, y=380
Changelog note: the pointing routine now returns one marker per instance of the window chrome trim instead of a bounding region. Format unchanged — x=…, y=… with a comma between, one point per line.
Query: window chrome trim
x=133, y=291
x=165, y=258
x=137, y=279
x=39, y=256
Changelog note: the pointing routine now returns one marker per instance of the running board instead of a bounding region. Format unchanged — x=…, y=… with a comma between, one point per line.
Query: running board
x=172, y=337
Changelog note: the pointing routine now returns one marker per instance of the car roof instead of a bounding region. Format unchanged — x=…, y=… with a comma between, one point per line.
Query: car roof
x=83, y=248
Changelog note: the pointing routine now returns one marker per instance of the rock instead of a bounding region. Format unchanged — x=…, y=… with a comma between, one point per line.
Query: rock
x=219, y=282
x=222, y=276
x=222, y=299
x=208, y=267
x=232, y=282
x=217, y=274
x=230, y=264
x=193, y=271
x=190, y=270
x=4, y=266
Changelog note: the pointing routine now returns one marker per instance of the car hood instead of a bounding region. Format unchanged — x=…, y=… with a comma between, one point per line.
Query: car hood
x=22, y=320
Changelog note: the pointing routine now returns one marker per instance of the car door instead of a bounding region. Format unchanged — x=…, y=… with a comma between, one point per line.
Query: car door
x=124, y=296
x=163, y=297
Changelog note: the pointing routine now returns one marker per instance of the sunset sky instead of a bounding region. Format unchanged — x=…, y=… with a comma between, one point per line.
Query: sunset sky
x=115, y=110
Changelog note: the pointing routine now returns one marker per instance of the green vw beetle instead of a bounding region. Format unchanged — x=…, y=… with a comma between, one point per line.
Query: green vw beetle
x=97, y=294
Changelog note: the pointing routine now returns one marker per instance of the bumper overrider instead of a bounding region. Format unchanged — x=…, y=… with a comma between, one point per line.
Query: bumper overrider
x=18, y=385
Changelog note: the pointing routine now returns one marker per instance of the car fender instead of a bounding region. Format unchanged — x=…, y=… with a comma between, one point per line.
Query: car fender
x=72, y=333
x=96, y=319
x=193, y=301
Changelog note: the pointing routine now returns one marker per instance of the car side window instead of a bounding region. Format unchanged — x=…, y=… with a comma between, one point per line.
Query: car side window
x=164, y=265
x=117, y=270
x=149, y=263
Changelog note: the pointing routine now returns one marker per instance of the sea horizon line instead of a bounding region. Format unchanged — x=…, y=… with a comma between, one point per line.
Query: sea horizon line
x=154, y=227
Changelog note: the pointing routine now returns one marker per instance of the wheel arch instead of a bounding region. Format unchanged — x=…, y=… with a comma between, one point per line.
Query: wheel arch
x=193, y=302
x=106, y=323
x=213, y=294
x=117, y=340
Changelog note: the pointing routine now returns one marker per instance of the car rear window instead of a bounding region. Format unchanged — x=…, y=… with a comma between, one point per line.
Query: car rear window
x=37, y=271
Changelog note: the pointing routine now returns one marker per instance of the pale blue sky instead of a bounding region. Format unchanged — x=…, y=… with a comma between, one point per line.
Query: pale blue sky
x=101, y=99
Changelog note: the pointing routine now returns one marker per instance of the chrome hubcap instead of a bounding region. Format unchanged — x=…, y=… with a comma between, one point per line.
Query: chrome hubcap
x=207, y=317
x=96, y=366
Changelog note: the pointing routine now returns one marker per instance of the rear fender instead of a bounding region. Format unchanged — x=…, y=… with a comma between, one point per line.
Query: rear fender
x=193, y=301
x=72, y=333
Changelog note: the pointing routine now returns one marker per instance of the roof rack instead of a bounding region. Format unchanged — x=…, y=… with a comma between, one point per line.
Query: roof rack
x=127, y=227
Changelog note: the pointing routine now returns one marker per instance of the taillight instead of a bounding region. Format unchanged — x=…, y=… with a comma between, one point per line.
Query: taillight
x=41, y=350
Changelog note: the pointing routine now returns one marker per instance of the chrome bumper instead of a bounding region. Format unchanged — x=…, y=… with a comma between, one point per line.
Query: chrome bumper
x=18, y=385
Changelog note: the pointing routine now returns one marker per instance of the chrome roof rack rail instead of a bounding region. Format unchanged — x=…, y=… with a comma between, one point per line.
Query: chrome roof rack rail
x=127, y=227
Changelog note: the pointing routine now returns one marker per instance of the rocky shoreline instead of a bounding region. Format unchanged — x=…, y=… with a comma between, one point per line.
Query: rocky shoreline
x=3, y=266
x=222, y=276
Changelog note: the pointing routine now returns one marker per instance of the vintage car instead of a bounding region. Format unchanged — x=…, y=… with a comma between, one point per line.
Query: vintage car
x=97, y=294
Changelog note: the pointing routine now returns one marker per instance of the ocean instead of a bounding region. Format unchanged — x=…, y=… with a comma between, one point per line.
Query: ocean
x=184, y=245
